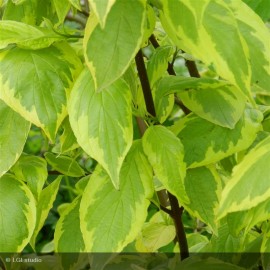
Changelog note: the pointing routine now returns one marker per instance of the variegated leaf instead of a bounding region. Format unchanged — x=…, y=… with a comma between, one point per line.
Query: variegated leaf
x=101, y=8
x=64, y=164
x=257, y=37
x=250, y=182
x=67, y=139
x=158, y=232
x=246, y=219
x=203, y=187
x=26, y=36
x=158, y=63
x=62, y=8
x=11, y=141
x=149, y=25
x=206, y=143
x=204, y=28
x=156, y=67
x=36, y=84
x=214, y=100
x=261, y=7
x=17, y=214
x=68, y=236
x=44, y=205
x=120, y=224
x=118, y=42
x=165, y=153
x=32, y=170
x=102, y=122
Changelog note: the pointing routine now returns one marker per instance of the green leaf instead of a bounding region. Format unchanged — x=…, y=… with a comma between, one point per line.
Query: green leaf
x=158, y=63
x=130, y=76
x=17, y=214
x=256, y=35
x=156, y=68
x=62, y=7
x=68, y=236
x=11, y=141
x=121, y=212
x=206, y=143
x=26, y=36
x=33, y=171
x=224, y=242
x=162, y=147
x=195, y=263
x=30, y=12
x=36, y=84
x=81, y=184
x=217, y=101
x=67, y=139
x=157, y=233
x=163, y=106
x=65, y=165
x=150, y=24
x=261, y=7
x=249, y=184
x=196, y=242
x=76, y=4
x=118, y=42
x=246, y=219
x=203, y=187
x=101, y=8
x=265, y=249
x=209, y=25
x=102, y=122
x=22, y=13
x=44, y=204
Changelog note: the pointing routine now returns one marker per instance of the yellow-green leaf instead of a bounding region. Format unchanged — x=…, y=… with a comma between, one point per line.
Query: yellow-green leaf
x=165, y=153
x=26, y=36
x=206, y=143
x=62, y=7
x=156, y=233
x=68, y=236
x=246, y=219
x=102, y=122
x=67, y=139
x=33, y=171
x=44, y=204
x=110, y=218
x=118, y=42
x=36, y=84
x=17, y=214
x=101, y=8
x=257, y=37
x=250, y=182
x=203, y=187
x=203, y=30
x=11, y=141
x=65, y=165
x=217, y=101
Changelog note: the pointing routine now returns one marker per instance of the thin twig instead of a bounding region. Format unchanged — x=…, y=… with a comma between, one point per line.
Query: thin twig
x=166, y=210
x=192, y=69
x=145, y=84
x=176, y=213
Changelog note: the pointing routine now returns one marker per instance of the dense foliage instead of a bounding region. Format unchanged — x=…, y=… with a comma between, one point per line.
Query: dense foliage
x=136, y=126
